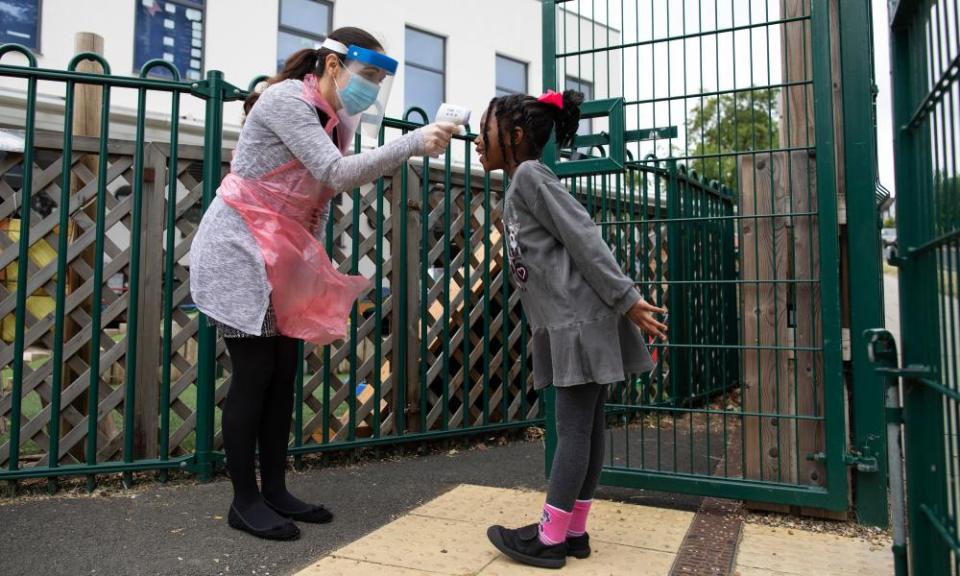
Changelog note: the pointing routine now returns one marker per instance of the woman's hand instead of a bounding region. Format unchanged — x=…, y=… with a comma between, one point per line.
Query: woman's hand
x=642, y=313
x=437, y=136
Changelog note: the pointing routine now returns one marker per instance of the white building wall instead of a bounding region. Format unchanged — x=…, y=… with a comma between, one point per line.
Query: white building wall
x=241, y=41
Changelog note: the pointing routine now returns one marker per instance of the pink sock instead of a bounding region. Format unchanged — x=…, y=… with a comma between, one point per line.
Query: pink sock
x=578, y=519
x=553, y=525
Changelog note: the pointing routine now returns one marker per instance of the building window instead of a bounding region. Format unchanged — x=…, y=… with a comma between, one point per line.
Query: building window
x=511, y=76
x=424, y=71
x=573, y=83
x=303, y=24
x=20, y=23
x=170, y=30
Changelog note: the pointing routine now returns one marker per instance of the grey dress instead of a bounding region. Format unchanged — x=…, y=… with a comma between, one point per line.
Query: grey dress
x=573, y=291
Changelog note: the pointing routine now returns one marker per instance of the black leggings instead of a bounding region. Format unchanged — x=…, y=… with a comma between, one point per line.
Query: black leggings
x=578, y=460
x=258, y=410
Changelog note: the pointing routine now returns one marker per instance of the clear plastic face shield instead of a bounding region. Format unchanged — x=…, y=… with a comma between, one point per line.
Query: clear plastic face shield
x=365, y=92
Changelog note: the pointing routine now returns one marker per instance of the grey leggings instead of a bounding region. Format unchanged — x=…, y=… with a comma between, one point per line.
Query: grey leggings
x=578, y=460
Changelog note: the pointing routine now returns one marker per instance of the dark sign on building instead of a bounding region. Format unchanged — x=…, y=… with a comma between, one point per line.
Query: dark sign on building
x=172, y=31
x=20, y=22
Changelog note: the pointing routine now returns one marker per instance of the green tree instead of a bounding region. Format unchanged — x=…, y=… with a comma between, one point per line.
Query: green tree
x=948, y=202
x=721, y=126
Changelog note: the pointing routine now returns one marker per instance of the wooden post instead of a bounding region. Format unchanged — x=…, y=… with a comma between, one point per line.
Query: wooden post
x=147, y=402
x=797, y=131
x=86, y=122
x=796, y=56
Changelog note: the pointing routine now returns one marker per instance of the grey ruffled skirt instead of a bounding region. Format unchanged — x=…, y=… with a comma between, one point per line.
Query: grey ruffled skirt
x=605, y=351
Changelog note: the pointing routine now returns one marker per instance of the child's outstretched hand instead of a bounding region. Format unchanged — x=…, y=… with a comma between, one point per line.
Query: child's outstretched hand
x=642, y=313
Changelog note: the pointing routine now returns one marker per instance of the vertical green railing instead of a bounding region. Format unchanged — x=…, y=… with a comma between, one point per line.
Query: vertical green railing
x=93, y=397
x=168, y=263
x=863, y=242
x=925, y=63
x=207, y=344
x=22, y=259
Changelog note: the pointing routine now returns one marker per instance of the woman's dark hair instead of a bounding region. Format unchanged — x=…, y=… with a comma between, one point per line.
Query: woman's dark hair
x=310, y=61
x=537, y=119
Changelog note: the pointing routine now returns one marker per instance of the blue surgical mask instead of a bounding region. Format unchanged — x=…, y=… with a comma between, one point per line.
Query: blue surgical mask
x=358, y=95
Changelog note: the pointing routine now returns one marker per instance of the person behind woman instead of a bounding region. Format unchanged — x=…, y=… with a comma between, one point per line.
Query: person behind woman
x=259, y=271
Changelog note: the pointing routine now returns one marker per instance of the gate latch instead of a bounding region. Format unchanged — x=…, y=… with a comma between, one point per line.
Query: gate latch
x=861, y=462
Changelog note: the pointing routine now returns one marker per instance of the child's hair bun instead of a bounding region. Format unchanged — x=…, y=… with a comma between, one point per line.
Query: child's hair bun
x=568, y=119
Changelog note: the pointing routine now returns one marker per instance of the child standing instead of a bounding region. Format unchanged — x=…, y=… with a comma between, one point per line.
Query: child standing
x=583, y=312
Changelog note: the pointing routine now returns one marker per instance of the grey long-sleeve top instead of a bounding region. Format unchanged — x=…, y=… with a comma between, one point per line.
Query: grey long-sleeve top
x=228, y=279
x=573, y=291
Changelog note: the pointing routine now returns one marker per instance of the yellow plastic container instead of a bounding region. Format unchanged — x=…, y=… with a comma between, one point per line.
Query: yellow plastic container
x=41, y=254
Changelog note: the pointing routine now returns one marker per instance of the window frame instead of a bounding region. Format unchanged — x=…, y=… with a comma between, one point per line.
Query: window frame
x=526, y=74
x=38, y=50
x=442, y=73
x=203, y=36
x=281, y=27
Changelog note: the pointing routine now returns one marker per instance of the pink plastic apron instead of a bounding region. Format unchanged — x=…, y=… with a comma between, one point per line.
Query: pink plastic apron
x=311, y=298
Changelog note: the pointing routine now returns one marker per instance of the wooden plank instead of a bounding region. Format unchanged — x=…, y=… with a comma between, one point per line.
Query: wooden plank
x=749, y=254
x=809, y=333
x=835, y=515
x=837, y=79
x=410, y=251
x=769, y=441
x=146, y=421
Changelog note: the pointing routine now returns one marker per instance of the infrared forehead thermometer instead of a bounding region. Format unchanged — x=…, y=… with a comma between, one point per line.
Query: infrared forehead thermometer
x=455, y=114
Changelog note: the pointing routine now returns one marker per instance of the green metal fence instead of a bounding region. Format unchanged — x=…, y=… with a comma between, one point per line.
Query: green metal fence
x=738, y=235
x=107, y=377
x=925, y=57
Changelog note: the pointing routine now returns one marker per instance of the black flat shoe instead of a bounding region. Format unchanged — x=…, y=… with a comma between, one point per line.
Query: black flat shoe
x=313, y=515
x=284, y=531
x=579, y=546
x=523, y=545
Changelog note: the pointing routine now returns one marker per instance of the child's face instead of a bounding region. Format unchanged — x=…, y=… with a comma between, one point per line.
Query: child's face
x=491, y=158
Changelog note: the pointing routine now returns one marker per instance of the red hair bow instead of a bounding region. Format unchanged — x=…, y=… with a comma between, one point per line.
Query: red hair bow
x=552, y=98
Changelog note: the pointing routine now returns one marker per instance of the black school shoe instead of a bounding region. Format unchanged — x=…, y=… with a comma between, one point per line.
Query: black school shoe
x=579, y=546
x=284, y=531
x=523, y=545
x=313, y=515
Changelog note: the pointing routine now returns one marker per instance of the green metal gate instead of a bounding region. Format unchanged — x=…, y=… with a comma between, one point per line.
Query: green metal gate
x=708, y=159
x=925, y=58
x=96, y=381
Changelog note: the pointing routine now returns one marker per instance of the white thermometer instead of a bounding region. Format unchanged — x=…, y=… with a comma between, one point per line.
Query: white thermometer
x=455, y=114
